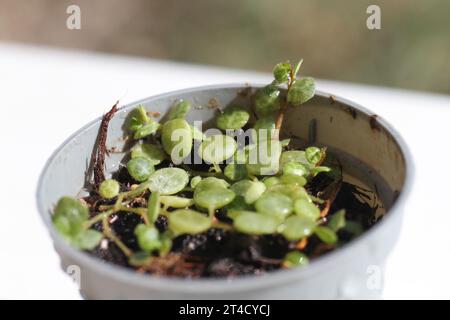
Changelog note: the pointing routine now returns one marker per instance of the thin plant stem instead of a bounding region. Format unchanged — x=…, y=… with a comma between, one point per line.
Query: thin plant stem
x=135, y=192
x=139, y=211
x=217, y=168
x=284, y=104
x=99, y=217
x=221, y=225
x=211, y=211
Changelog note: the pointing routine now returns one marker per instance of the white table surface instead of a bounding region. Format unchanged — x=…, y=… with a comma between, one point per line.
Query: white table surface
x=47, y=94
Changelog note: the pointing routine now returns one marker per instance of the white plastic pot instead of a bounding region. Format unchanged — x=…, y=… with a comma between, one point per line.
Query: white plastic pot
x=371, y=151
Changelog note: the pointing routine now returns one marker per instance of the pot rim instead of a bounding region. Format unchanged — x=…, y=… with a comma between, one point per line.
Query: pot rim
x=242, y=283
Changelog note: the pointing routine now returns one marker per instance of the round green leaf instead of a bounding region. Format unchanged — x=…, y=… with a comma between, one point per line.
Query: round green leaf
x=136, y=119
x=87, y=239
x=109, y=189
x=69, y=216
x=295, y=168
x=140, y=169
x=250, y=190
x=296, y=228
x=293, y=179
x=186, y=221
x=177, y=139
x=255, y=223
x=179, y=110
x=217, y=148
x=301, y=91
x=306, y=209
x=281, y=72
x=195, y=181
x=293, y=191
x=313, y=155
x=211, y=182
x=168, y=181
x=241, y=187
x=267, y=100
x=294, y=156
x=152, y=152
x=147, y=237
x=176, y=202
x=326, y=234
x=213, y=198
x=295, y=259
x=146, y=130
x=234, y=118
x=271, y=181
x=276, y=204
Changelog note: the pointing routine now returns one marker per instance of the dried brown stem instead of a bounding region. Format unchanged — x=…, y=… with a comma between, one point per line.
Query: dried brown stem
x=98, y=156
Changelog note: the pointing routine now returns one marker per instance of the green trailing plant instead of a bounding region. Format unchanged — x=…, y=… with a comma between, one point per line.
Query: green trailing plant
x=254, y=203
